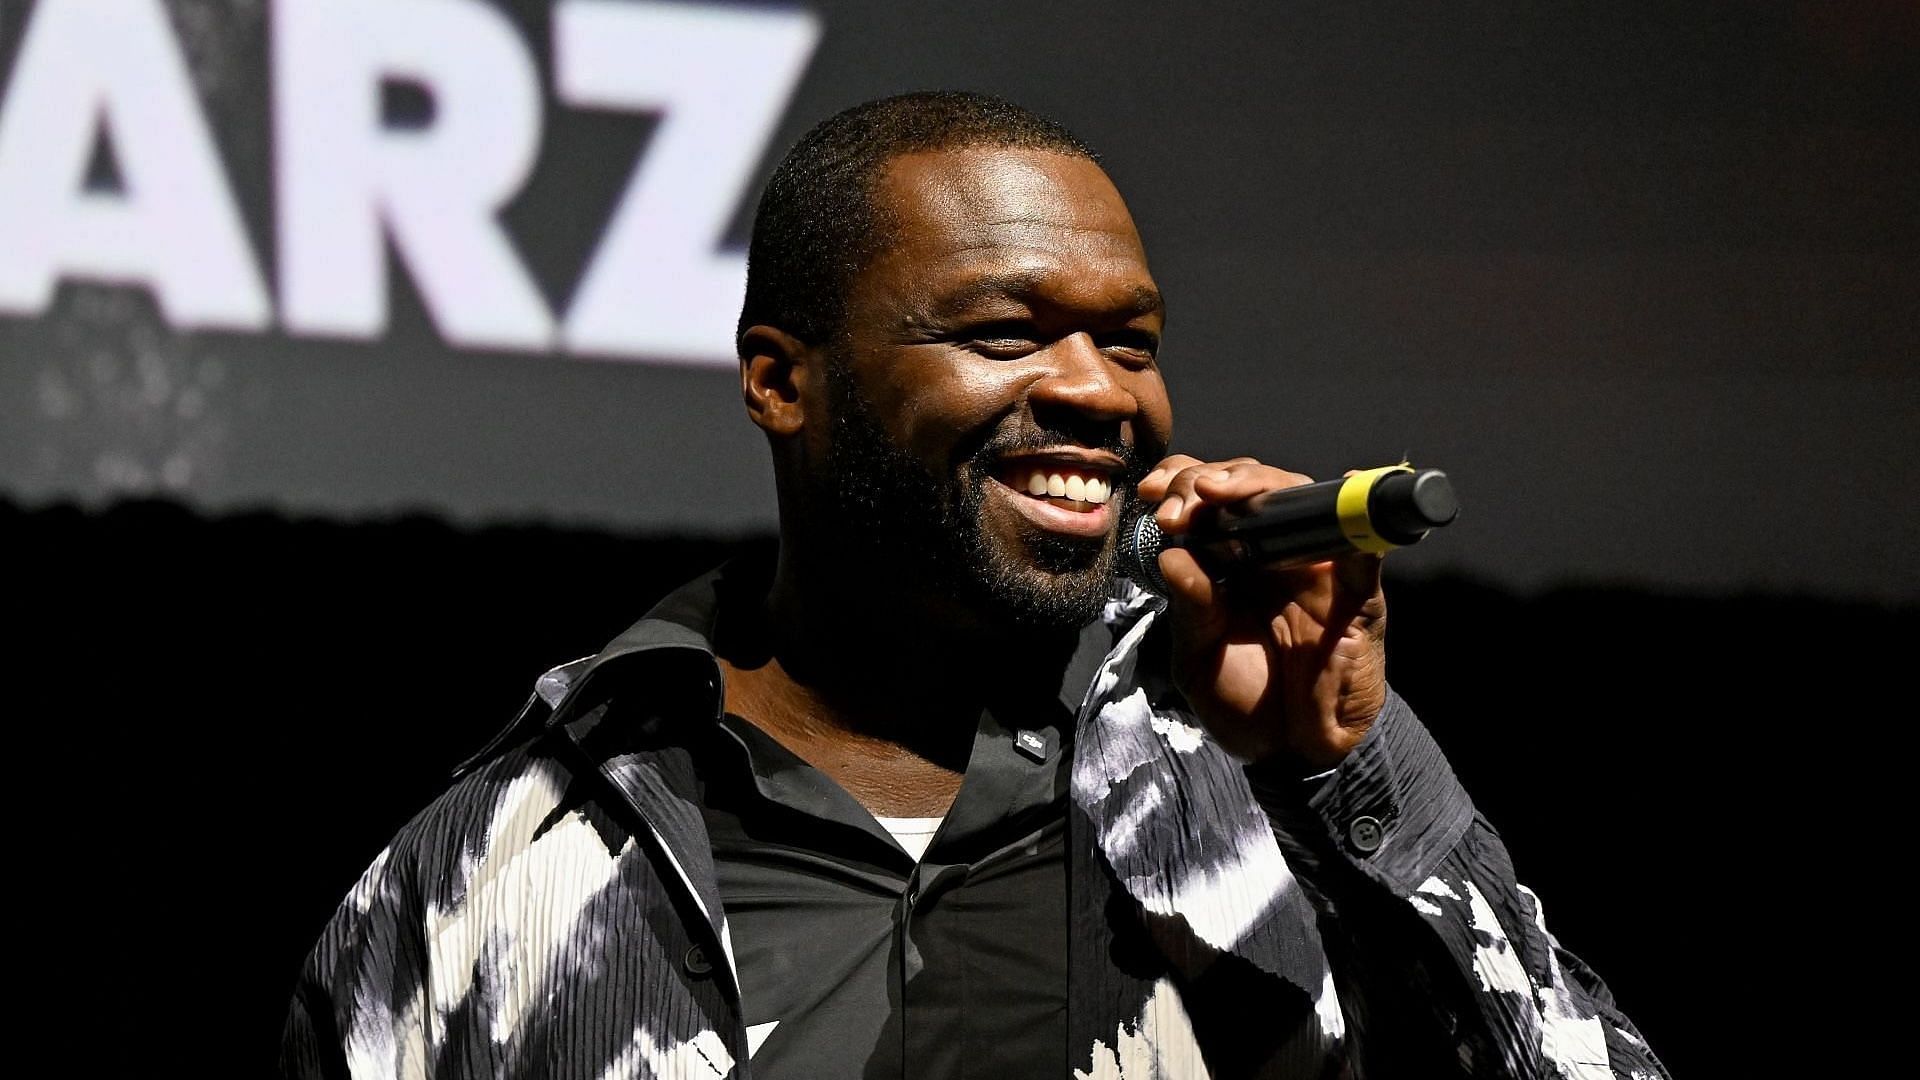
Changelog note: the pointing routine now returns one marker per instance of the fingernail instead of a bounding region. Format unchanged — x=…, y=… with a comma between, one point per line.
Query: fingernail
x=1170, y=507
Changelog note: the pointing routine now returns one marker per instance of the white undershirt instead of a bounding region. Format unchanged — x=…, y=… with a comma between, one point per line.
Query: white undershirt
x=913, y=834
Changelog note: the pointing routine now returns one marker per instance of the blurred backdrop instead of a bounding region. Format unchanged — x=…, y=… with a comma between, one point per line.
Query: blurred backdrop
x=359, y=359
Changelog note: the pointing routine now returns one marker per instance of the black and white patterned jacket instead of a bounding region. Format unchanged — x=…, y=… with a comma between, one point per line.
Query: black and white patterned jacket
x=551, y=914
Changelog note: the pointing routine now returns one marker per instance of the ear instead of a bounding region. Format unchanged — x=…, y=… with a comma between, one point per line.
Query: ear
x=775, y=367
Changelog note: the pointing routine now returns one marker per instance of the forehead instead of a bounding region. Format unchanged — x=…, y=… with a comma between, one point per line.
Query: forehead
x=985, y=219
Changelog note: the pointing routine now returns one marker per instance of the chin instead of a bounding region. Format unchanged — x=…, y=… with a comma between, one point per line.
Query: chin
x=1056, y=584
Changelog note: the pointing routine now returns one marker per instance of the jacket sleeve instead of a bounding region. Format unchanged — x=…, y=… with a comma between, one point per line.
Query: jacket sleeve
x=1443, y=961
x=358, y=1007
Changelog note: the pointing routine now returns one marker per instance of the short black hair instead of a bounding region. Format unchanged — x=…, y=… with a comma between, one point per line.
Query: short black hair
x=816, y=225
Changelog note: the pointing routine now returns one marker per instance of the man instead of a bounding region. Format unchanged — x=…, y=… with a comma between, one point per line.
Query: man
x=937, y=796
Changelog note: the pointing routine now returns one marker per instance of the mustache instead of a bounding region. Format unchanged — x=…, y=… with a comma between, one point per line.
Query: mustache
x=1034, y=437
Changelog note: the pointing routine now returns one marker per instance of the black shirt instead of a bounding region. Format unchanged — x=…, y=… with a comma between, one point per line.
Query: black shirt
x=868, y=965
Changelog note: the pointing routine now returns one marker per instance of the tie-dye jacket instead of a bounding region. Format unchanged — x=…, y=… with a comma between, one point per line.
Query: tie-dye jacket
x=555, y=913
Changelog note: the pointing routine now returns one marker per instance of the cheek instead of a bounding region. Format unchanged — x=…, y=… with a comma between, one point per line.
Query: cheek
x=953, y=404
x=1154, y=428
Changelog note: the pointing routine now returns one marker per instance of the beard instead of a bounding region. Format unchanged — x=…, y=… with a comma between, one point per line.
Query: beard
x=898, y=516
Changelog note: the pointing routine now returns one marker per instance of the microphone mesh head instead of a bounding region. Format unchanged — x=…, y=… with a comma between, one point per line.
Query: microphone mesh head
x=1138, y=551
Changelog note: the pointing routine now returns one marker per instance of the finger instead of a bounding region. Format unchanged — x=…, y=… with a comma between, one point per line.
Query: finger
x=1241, y=478
x=1333, y=591
x=1179, y=497
x=1153, y=486
x=1217, y=483
x=1358, y=576
x=1192, y=593
x=1214, y=483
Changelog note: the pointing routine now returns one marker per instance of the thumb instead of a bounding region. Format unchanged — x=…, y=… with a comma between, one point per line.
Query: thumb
x=1193, y=597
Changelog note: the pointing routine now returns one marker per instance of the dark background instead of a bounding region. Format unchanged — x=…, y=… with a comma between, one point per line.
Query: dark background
x=1640, y=275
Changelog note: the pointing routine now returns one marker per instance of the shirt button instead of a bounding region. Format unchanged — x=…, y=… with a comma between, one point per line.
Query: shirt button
x=1365, y=834
x=697, y=963
x=1033, y=744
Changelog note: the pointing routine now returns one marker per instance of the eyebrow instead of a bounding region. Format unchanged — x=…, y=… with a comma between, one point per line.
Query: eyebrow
x=1025, y=285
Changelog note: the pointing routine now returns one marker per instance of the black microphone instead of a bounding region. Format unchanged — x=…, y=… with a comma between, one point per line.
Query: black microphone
x=1376, y=510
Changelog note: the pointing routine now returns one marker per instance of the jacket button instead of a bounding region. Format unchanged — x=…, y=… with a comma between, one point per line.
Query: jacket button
x=697, y=963
x=1365, y=834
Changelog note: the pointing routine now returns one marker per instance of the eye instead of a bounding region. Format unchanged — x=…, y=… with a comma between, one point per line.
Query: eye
x=1002, y=340
x=1129, y=346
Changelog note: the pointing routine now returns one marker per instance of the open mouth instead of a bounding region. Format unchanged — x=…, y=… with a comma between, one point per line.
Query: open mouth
x=1075, y=486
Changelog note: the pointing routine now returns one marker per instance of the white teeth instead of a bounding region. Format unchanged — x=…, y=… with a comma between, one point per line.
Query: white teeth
x=1042, y=484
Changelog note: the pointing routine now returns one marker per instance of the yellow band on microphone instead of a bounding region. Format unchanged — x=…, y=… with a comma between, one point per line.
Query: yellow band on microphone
x=1351, y=506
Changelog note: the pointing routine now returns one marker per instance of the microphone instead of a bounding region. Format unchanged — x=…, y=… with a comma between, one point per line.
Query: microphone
x=1375, y=510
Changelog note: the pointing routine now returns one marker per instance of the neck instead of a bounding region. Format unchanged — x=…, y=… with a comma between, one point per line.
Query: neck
x=867, y=636
x=878, y=687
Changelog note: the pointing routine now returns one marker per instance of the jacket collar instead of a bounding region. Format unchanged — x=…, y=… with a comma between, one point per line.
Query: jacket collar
x=678, y=629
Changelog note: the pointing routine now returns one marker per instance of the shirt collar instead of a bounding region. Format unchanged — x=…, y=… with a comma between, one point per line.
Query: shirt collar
x=676, y=632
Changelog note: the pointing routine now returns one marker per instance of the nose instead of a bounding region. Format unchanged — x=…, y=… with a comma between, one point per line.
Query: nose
x=1081, y=379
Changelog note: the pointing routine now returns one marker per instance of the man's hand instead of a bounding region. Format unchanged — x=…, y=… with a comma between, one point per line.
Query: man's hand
x=1280, y=664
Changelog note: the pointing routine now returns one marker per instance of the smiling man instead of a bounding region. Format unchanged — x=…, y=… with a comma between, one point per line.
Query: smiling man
x=938, y=795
